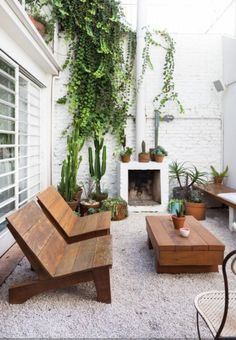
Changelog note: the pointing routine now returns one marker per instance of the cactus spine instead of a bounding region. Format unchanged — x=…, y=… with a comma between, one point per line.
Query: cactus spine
x=70, y=166
x=97, y=167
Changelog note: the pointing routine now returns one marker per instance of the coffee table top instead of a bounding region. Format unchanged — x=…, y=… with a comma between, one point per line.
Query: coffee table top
x=161, y=230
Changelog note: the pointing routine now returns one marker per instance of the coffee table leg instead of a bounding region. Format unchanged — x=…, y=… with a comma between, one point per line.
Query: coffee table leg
x=149, y=243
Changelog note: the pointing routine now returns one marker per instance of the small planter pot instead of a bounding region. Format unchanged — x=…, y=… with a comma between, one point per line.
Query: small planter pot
x=125, y=158
x=197, y=210
x=39, y=26
x=218, y=180
x=151, y=154
x=73, y=204
x=144, y=157
x=121, y=212
x=159, y=158
x=85, y=205
x=178, y=221
x=100, y=197
x=77, y=196
x=179, y=193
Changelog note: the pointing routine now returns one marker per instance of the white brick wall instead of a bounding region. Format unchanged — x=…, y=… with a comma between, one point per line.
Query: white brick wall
x=195, y=136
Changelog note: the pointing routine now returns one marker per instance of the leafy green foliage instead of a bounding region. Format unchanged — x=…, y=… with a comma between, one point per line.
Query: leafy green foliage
x=222, y=174
x=195, y=196
x=189, y=176
x=168, y=92
x=101, y=74
x=111, y=204
x=126, y=151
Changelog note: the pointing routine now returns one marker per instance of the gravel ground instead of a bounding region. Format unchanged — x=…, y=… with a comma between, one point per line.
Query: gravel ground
x=144, y=304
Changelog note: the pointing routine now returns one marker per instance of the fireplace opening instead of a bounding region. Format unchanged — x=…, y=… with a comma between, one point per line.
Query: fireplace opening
x=144, y=187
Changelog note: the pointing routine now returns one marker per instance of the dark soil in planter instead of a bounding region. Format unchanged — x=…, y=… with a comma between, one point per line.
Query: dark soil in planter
x=84, y=207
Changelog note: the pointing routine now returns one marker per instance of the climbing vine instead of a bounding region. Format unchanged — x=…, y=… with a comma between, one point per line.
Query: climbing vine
x=168, y=92
x=101, y=73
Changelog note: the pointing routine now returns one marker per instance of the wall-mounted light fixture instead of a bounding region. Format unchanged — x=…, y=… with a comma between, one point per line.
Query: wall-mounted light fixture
x=221, y=86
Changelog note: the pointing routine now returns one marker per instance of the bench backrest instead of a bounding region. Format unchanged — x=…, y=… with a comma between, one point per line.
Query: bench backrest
x=37, y=237
x=54, y=205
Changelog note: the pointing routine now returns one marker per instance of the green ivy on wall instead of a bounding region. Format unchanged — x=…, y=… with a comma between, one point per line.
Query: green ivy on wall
x=168, y=92
x=101, y=74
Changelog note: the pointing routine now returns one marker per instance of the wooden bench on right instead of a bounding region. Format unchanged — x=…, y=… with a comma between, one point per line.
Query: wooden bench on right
x=225, y=195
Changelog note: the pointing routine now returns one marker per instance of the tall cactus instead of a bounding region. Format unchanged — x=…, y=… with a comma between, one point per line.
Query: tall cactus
x=70, y=166
x=96, y=169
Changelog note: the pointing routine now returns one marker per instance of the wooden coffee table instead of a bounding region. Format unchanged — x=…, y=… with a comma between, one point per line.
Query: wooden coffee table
x=200, y=252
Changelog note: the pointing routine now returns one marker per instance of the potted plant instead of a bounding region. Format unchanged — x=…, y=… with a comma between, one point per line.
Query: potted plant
x=117, y=206
x=179, y=218
x=125, y=154
x=187, y=177
x=144, y=157
x=219, y=176
x=68, y=187
x=97, y=167
x=87, y=203
x=159, y=153
x=195, y=205
x=174, y=205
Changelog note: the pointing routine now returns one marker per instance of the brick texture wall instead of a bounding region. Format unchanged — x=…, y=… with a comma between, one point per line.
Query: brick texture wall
x=195, y=136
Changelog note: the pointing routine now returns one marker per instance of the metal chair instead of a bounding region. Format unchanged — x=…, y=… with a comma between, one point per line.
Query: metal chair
x=218, y=308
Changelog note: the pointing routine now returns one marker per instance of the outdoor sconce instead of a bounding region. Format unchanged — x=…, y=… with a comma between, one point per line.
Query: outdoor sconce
x=220, y=86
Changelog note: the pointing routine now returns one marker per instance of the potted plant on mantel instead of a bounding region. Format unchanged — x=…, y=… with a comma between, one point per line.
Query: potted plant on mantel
x=179, y=218
x=158, y=154
x=187, y=177
x=125, y=154
x=144, y=157
x=218, y=177
x=68, y=187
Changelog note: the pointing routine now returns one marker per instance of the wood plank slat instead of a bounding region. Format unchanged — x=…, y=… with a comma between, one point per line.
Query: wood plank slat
x=9, y=261
x=103, y=254
x=158, y=232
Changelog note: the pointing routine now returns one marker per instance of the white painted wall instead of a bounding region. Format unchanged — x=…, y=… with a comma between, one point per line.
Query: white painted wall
x=195, y=136
x=229, y=105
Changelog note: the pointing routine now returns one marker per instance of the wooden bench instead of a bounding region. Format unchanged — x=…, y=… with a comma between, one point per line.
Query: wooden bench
x=57, y=263
x=72, y=227
x=222, y=194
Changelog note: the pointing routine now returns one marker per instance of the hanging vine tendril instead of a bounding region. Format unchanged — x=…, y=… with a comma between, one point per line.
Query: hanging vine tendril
x=168, y=92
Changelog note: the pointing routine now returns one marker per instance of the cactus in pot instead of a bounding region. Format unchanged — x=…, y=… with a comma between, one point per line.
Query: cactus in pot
x=68, y=186
x=144, y=156
x=97, y=166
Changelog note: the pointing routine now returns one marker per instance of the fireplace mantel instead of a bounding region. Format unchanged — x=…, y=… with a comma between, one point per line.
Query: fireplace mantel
x=161, y=168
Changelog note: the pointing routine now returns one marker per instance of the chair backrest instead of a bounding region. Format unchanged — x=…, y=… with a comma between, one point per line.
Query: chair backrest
x=54, y=205
x=39, y=240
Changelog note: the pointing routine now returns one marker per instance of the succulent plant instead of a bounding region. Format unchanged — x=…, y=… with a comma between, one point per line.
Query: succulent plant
x=96, y=169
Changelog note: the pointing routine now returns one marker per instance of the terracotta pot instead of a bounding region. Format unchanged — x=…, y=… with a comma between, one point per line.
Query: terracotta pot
x=178, y=221
x=197, y=210
x=125, y=158
x=73, y=204
x=85, y=207
x=100, y=197
x=218, y=180
x=159, y=158
x=77, y=195
x=151, y=154
x=121, y=212
x=39, y=26
x=144, y=157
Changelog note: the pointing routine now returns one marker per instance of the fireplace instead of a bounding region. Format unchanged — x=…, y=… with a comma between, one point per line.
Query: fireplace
x=145, y=186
